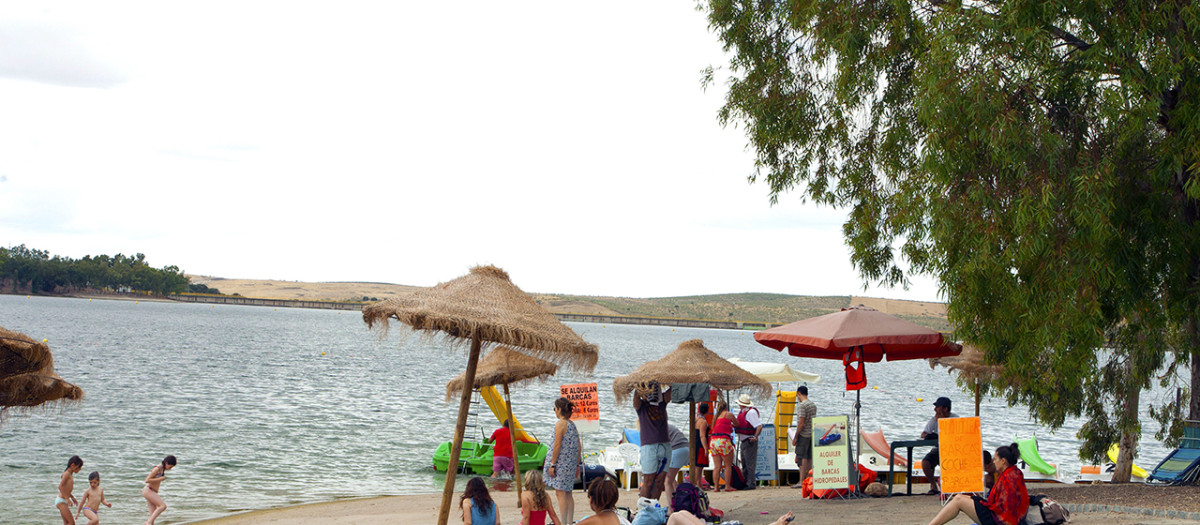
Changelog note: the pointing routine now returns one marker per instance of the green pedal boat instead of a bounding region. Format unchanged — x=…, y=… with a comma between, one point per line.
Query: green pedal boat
x=478, y=456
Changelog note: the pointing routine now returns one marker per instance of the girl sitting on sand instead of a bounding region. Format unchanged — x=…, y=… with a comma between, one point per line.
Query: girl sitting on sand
x=477, y=505
x=153, y=501
x=1006, y=503
x=535, y=503
x=602, y=495
x=93, y=497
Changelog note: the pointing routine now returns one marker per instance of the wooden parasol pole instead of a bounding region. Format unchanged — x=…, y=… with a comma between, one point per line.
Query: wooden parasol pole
x=692, y=444
x=512, y=439
x=978, y=398
x=459, y=429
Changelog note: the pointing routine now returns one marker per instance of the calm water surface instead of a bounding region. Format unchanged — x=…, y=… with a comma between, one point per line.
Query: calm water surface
x=270, y=407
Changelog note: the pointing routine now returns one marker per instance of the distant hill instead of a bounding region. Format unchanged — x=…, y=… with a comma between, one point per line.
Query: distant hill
x=753, y=307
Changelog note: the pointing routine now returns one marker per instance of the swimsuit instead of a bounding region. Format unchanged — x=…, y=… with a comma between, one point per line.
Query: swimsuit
x=87, y=508
x=61, y=500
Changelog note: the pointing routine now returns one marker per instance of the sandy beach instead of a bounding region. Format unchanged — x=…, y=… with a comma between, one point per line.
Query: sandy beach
x=756, y=507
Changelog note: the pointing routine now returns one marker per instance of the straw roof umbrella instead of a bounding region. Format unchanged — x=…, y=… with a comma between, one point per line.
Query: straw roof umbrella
x=972, y=368
x=691, y=362
x=505, y=366
x=27, y=377
x=483, y=306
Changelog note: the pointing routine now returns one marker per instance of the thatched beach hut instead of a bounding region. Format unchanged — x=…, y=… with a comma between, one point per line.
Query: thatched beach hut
x=483, y=307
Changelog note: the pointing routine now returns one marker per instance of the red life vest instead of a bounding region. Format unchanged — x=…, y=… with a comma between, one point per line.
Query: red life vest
x=742, y=426
x=856, y=376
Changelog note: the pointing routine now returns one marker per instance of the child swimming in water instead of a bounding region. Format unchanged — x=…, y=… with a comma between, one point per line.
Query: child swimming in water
x=153, y=501
x=66, y=485
x=93, y=497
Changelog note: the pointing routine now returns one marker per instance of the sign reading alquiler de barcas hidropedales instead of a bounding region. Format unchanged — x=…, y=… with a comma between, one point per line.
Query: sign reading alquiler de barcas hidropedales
x=831, y=453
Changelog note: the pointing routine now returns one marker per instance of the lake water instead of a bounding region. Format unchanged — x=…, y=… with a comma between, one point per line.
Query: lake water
x=270, y=407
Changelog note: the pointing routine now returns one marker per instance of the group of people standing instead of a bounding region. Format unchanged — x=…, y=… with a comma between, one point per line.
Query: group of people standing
x=93, y=497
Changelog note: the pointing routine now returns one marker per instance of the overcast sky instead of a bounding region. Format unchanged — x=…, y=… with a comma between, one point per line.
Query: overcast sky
x=569, y=143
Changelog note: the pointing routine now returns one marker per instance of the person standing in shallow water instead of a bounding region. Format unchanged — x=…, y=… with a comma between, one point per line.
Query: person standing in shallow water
x=66, y=485
x=93, y=497
x=154, y=502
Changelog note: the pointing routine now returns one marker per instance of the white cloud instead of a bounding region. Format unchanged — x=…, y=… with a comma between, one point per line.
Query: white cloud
x=569, y=143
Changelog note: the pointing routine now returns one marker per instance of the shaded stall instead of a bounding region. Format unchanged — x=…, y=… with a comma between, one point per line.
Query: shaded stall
x=690, y=362
x=972, y=369
x=857, y=335
x=505, y=366
x=27, y=377
x=482, y=307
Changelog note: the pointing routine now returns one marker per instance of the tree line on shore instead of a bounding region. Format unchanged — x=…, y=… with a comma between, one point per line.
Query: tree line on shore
x=24, y=269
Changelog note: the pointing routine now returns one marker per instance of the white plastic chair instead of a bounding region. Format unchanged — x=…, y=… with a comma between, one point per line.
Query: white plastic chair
x=632, y=461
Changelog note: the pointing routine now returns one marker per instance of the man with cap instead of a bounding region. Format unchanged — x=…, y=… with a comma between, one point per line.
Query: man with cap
x=651, y=408
x=747, y=428
x=941, y=409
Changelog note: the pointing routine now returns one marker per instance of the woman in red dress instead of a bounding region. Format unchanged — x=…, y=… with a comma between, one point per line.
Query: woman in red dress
x=1006, y=503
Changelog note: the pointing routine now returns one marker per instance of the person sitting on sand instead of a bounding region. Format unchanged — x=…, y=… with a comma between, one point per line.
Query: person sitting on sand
x=535, y=503
x=602, y=496
x=941, y=409
x=66, y=485
x=477, y=505
x=1007, y=502
x=153, y=481
x=683, y=517
x=502, y=450
x=92, y=497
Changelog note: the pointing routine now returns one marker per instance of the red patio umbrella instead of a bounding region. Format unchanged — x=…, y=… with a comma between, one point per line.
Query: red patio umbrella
x=855, y=335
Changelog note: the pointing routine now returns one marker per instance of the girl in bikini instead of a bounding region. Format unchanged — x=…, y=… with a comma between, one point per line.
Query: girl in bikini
x=66, y=485
x=92, y=497
x=153, y=501
x=535, y=503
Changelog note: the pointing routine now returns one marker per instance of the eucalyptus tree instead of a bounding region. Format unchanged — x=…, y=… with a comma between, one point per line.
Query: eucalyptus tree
x=1039, y=158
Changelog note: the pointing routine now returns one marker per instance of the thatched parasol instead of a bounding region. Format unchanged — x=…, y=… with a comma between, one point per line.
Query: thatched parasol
x=483, y=306
x=27, y=377
x=691, y=362
x=972, y=369
x=505, y=366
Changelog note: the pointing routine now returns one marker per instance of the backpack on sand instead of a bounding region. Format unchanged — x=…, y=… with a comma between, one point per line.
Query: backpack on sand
x=690, y=498
x=1050, y=511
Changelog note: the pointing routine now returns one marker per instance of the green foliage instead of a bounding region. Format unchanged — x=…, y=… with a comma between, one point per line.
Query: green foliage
x=202, y=288
x=1039, y=158
x=41, y=273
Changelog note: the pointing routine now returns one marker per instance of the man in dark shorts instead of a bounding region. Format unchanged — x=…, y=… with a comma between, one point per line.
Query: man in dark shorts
x=941, y=409
x=806, y=410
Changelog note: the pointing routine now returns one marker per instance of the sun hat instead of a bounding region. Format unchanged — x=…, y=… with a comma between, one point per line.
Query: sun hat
x=744, y=400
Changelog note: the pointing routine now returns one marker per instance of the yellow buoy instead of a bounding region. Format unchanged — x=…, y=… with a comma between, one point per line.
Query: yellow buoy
x=920, y=399
x=322, y=353
x=45, y=340
x=876, y=388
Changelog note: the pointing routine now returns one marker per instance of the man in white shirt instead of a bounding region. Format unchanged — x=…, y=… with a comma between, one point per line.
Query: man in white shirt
x=941, y=409
x=747, y=428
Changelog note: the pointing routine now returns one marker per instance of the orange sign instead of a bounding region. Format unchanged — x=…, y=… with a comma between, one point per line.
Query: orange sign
x=585, y=405
x=960, y=445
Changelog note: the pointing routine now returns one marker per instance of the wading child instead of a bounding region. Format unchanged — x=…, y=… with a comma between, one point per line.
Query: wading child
x=154, y=502
x=535, y=503
x=66, y=485
x=93, y=497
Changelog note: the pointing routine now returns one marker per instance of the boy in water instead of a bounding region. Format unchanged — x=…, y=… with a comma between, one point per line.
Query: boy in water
x=66, y=485
x=92, y=497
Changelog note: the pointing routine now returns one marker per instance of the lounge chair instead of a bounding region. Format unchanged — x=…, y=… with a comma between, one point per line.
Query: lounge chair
x=1180, y=467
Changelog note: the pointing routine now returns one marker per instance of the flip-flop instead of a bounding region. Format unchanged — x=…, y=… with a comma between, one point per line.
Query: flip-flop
x=932, y=493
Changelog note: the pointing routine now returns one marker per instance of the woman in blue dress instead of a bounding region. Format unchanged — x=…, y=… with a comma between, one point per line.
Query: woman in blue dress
x=563, y=461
